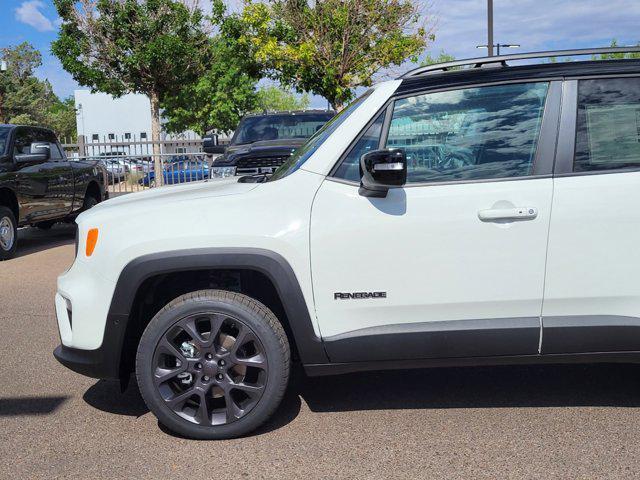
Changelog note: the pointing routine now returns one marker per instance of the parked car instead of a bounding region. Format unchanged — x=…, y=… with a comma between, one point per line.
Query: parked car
x=454, y=216
x=116, y=164
x=39, y=185
x=179, y=172
x=262, y=143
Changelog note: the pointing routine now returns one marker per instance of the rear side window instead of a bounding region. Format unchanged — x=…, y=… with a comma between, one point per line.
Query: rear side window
x=608, y=125
x=470, y=134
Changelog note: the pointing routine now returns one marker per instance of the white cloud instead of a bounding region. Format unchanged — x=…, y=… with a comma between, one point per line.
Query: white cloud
x=29, y=13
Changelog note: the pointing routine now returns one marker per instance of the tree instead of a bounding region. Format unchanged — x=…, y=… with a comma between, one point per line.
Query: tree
x=273, y=98
x=220, y=97
x=61, y=118
x=330, y=47
x=119, y=46
x=27, y=100
x=441, y=58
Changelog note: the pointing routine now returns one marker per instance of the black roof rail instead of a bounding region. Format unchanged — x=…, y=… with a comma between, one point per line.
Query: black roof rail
x=503, y=59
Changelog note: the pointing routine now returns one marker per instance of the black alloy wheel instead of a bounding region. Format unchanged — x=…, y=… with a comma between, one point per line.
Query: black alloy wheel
x=213, y=364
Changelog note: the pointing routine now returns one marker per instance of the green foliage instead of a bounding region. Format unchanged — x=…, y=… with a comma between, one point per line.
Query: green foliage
x=273, y=98
x=154, y=47
x=605, y=56
x=441, y=58
x=220, y=97
x=126, y=46
x=330, y=47
x=615, y=56
x=27, y=100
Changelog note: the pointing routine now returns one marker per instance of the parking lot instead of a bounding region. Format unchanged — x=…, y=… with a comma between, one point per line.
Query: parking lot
x=502, y=422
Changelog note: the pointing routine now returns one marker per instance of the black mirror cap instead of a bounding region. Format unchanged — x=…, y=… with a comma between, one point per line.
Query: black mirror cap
x=210, y=144
x=381, y=170
x=31, y=158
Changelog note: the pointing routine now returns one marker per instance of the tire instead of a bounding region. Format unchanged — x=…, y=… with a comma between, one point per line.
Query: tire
x=89, y=202
x=235, y=377
x=8, y=234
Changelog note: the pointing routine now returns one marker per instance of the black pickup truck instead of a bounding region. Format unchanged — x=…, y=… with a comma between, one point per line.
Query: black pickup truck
x=263, y=142
x=39, y=185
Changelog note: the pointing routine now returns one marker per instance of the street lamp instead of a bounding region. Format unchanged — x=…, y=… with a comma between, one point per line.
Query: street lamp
x=500, y=45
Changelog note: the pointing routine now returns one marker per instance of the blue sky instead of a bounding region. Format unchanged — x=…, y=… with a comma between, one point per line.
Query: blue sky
x=460, y=26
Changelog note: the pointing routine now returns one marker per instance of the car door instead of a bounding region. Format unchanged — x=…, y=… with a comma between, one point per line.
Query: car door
x=592, y=297
x=45, y=188
x=444, y=266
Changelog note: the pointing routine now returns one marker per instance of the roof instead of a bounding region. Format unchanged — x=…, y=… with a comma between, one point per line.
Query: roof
x=501, y=68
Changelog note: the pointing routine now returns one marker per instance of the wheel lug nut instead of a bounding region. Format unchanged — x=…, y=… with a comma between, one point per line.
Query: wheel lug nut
x=219, y=376
x=221, y=363
x=198, y=366
x=208, y=356
x=205, y=378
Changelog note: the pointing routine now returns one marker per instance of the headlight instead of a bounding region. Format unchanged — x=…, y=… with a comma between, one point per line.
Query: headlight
x=222, y=172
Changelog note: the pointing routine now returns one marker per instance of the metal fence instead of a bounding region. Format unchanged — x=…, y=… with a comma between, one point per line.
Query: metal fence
x=130, y=162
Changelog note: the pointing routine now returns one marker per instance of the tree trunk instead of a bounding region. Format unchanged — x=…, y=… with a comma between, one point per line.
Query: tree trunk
x=155, y=138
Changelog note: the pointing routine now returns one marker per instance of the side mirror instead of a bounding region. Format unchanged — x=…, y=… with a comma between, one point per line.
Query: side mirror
x=40, y=152
x=210, y=144
x=381, y=170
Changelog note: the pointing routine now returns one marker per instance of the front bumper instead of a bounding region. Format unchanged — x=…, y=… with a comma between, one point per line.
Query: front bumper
x=91, y=363
x=91, y=337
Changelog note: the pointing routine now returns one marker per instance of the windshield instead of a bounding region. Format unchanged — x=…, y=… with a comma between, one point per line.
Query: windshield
x=4, y=134
x=276, y=127
x=303, y=153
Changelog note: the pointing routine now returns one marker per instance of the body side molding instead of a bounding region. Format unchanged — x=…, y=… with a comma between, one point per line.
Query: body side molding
x=590, y=333
x=438, y=339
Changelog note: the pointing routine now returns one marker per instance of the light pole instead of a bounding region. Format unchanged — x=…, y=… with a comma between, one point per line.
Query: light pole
x=498, y=46
x=490, y=29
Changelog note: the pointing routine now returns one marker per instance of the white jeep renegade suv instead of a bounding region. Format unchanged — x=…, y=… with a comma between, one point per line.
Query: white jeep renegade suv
x=467, y=216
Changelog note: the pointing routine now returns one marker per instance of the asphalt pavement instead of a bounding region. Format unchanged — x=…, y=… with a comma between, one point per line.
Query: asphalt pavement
x=501, y=422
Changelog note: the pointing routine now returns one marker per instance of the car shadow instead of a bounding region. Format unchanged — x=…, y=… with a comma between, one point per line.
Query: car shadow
x=29, y=406
x=476, y=387
x=440, y=388
x=107, y=396
x=33, y=240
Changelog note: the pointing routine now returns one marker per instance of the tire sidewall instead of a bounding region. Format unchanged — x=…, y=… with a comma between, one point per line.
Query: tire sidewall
x=8, y=254
x=277, y=367
x=89, y=202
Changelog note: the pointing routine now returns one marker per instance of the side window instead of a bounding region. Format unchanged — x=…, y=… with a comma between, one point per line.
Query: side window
x=349, y=169
x=23, y=141
x=608, y=124
x=470, y=134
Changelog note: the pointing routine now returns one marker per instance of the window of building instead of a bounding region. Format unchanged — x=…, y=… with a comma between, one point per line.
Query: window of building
x=143, y=134
x=95, y=137
x=111, y=136
x=127, y=136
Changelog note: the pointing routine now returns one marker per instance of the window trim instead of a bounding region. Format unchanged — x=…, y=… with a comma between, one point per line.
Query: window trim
x=547, y=139
x=565, y=154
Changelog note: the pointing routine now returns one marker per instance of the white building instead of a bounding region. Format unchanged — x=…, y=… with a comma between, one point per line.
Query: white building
x=124, y=124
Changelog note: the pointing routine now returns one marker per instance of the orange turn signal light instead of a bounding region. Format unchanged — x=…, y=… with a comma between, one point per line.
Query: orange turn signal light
x=92, y=240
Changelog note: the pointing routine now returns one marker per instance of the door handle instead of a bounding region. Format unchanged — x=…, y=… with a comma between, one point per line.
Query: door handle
x=516, y=213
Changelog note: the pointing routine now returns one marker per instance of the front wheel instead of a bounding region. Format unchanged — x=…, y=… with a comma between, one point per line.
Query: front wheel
x=213, y=364
x=8, y=234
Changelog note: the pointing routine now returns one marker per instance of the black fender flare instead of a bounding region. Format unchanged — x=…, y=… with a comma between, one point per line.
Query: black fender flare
x=269, y=263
